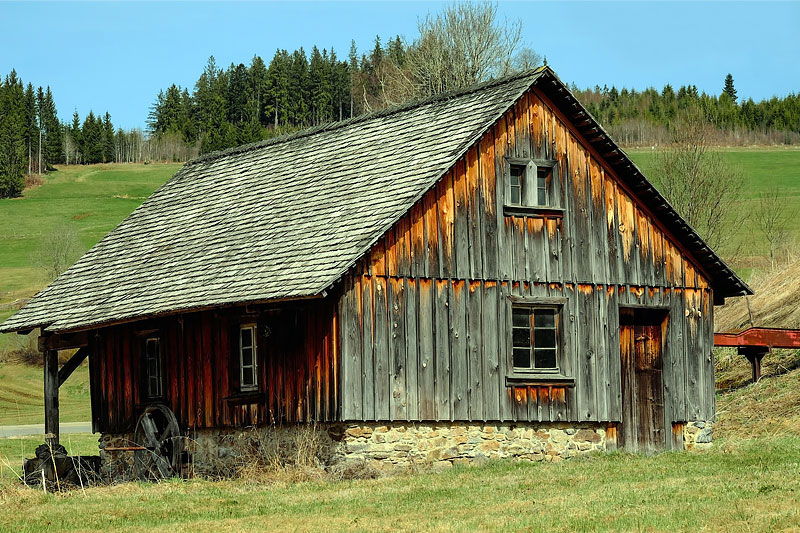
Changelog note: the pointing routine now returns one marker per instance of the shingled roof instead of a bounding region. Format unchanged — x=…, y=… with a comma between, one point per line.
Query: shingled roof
x=285, y=218
x=272, y=220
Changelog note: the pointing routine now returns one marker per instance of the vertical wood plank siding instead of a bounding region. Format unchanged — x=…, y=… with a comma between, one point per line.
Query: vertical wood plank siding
x=297, y=368
x=433, y=315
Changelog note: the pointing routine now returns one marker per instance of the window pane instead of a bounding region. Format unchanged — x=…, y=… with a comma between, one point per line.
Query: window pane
x=247, y=357
x=247, y=337
x=522, y=338
x=544, y=318
x=521, y=317
x=544, y=338
x=522, y=357
x=545, y=358
x=516, y=193
x=542, y=197
x=247, y=376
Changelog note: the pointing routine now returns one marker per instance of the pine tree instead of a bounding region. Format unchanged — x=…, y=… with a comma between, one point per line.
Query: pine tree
x=53, y=135
x=239, y=95
x=354, y=73
x=31, y=127
x=75, y=132
x=92, y=139
x=12, y=136
x=108, y=139
x=299, y=89
x=729, y=88
x=259, y=89
x=320, y=87
x=278, y=77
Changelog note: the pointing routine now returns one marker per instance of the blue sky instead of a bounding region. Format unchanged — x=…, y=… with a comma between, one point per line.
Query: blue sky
x=116, y=56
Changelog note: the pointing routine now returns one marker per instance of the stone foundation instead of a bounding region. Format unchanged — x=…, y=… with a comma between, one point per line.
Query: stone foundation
x=382, y=446
x=697, y=435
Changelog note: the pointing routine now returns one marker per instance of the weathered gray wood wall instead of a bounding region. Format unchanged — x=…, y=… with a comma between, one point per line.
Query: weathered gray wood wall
x=424, y=318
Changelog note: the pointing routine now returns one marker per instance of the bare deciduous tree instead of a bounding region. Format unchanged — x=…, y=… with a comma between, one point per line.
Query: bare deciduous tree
x=58, y=250
x=463, y=45
x=771, y=218
x=698, y=183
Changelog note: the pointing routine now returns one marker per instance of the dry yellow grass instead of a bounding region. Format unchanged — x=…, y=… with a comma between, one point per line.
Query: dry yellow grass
x=776, y=302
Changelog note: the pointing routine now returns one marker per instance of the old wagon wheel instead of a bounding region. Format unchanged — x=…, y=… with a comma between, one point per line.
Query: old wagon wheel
x=157, y=431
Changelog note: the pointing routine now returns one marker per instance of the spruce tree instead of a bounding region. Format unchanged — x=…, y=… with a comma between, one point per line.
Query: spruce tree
x=31, y=128
x=259, y=89
x=75, y=132
x=54, y=140
x=109, y=150
x=729, y=88
x=12, y=136
x=278, y=78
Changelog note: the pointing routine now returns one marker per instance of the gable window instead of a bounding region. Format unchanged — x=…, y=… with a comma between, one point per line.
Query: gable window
x=248, y=363
x=542, y=176
x=529, y=185
x=535, y=338
x=516, y=180
x=152, y=355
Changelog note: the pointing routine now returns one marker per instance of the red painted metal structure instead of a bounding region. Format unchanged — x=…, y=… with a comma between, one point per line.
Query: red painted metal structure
x=755, y=342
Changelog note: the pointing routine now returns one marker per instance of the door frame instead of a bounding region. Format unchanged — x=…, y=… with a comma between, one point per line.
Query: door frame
x=652, y=316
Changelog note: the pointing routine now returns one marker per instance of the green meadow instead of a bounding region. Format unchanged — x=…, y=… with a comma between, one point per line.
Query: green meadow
x=762, y=169
x=738, y=486
x=85, y=201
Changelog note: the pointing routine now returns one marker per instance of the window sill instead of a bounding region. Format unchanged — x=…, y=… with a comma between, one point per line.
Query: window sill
x=241, y=398
x=539, y=380
x=532, y=211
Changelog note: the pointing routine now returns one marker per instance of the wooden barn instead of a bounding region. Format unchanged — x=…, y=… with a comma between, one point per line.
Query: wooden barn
x=482, y=274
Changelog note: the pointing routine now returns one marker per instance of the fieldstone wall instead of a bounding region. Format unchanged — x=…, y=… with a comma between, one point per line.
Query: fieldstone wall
x=382, y=446
x=116, y=465
x=442, y=445
x=697, y=435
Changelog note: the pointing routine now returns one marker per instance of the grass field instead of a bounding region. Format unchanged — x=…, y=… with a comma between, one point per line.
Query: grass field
x=22, y=395
x=761, y=169
x=743, y=486
x=89, y=200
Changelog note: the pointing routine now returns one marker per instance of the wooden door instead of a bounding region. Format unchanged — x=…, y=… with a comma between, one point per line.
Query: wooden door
x=641, y=347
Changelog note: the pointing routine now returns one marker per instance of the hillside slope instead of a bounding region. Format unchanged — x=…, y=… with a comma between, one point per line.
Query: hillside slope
x=776, y=303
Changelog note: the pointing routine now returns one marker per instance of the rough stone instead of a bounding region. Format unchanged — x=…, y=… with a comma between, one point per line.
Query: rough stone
x=398, y=446
x=587, y=435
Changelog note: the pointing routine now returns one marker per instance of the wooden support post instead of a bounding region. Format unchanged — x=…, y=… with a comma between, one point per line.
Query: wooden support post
x=754, y=354
x=70, y=366
x=51, y=396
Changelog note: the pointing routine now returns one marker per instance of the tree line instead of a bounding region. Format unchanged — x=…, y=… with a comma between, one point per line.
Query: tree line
x=461, y=46
x=33, y=139
x=647, y=117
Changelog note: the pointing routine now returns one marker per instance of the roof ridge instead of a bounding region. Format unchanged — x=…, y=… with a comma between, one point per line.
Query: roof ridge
x=332, y=126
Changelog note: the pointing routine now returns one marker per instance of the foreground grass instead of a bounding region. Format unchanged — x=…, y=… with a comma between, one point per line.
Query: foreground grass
x=737, y=487
x=22, y=395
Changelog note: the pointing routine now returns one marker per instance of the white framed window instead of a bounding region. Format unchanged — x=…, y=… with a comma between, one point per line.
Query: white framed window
x=536, y=338
x=152, y=355
x=248, y=358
